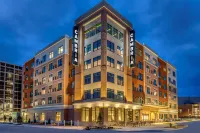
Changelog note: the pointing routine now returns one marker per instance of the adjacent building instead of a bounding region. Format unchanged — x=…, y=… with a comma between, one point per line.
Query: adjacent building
x=10, y=90
x=103, y=71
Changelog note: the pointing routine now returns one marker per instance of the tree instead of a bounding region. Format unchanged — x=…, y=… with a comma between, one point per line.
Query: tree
x=10, y=118
x=100, y=119
x=4, y=118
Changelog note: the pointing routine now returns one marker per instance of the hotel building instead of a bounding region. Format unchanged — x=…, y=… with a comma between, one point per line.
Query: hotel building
x=10, y=90
x=103, y=71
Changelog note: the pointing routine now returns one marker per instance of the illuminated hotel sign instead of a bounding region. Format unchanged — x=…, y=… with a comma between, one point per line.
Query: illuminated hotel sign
x=132, y=48
x=75, y=46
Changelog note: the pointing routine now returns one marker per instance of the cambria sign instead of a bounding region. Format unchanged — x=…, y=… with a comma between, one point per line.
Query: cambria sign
x=75, y=46
x=132, y=48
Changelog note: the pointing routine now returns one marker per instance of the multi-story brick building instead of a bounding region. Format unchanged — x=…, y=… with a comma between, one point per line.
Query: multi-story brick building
x=102, y=70
x=10, y=90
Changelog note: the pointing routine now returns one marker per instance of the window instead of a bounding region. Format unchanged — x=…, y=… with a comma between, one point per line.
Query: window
x=164, y=78
x=58, y=116
x=119, y=51
x=59, y=86
x=160, y=94
x=165, y=95
x=120, y=80
x=96, y=45
x=140, y=76
x=50, y=100
x=95, y=113
x=148, y=100
x=37, y=62
x=93, y=30
x=174, y=74
x=154, y=72
x=147, y=56
x=26, y=77
x=36, y=82
x=59, y=99
x=97, y=77
x=26, y=68
x=115, y=33
x=43, y=80
x=60, y=50
x=120, y=114
x=32, y=65
x=165, y=87
x=51, y=77
x=88, y=49
x=111, y=114
x=96, y=93
x=36, y=73
x=109, y=29
x=44, y=58
x=140, y=52
x=148, y=80
x=110, y=62
x=110, y=77
x=87, y=79
x=36, y=102
x=120, y=95
x=97, y=61
x=25, y=95
x=73, y=72
x=31, y=94
x=110, y=46
x=154, y=82
x=98, y=28
x=85, y=114
x=148, y=90
x=120, y=66
x=110, y=93
x=43, y=101
x=121, y=37
x=174, y=82
x=147, y=68
x=50, y=55
x=154, y=61
x=43, y=91
x=60, y=74
x=88, y=64
x=50, y=66
x=87, y=94
x=140, y=65
x=140, y=88
x=59, y=62
x=43, y=69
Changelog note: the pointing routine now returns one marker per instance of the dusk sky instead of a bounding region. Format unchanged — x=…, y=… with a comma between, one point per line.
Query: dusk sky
x=170, y=27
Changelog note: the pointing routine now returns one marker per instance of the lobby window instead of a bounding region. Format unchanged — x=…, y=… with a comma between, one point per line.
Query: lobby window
x=96, y=45
x=174, y=74
x=85, y=115
x=109, y=29
x=119, y=51
x=110, y=46
x=58, y=116
x=97, y=77
x=59, y=86
x=140, y=76
x=43, y=80
x=155, y=82
x=87, y=64
x=115, y=33
x=147, y=56
x=50, y=55
x=96, y=93
x=120, y=80
x=59, y=99
x=120, y=114
x=111, y=114
x=120, y=66
x=50, y=100
x=120, y=95
x=148, y=90
x=147, y=68
x=97, y=61
x=140, y=88
x=140, y=65
x=60, y=50
x=43, y=69
x=110, y=62
x=110, y=93
x=42, y=117
x=110, y=77
x=121, y=36
x=87, y=94
x=50, y=66
x=87, y=79
x=59, y=62
x=60, y=74
x=95, y=114
x=51, y=77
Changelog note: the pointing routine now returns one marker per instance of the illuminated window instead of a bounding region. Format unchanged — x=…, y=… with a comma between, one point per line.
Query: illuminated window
x=43, y=101
x=111, y=114
x=120, y=80
x=42, y=118
x=95, y=113
x=147, y=68
x=154, y=72
x=36, y=103
x=147, y=56
x=85, y=114
x=110, y=62
x=119, y=51
x=58, y=116
x=60, y=50
x=59, y=86
x=120, y=95
x=50, y=55
x=43, y=80
x=120, y=114
x=120, y=66
x=88, y=64
x=154, y=61
x=43, y=91
x=97, y=61
x=50, y=77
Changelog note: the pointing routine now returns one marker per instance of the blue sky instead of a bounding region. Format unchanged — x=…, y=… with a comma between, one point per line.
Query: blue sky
x=170, y=27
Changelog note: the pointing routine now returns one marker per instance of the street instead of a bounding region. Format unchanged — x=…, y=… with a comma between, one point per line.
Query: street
x=193, y=127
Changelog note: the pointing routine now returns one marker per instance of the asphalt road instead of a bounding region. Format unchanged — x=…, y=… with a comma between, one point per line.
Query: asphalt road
x=193, y=127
